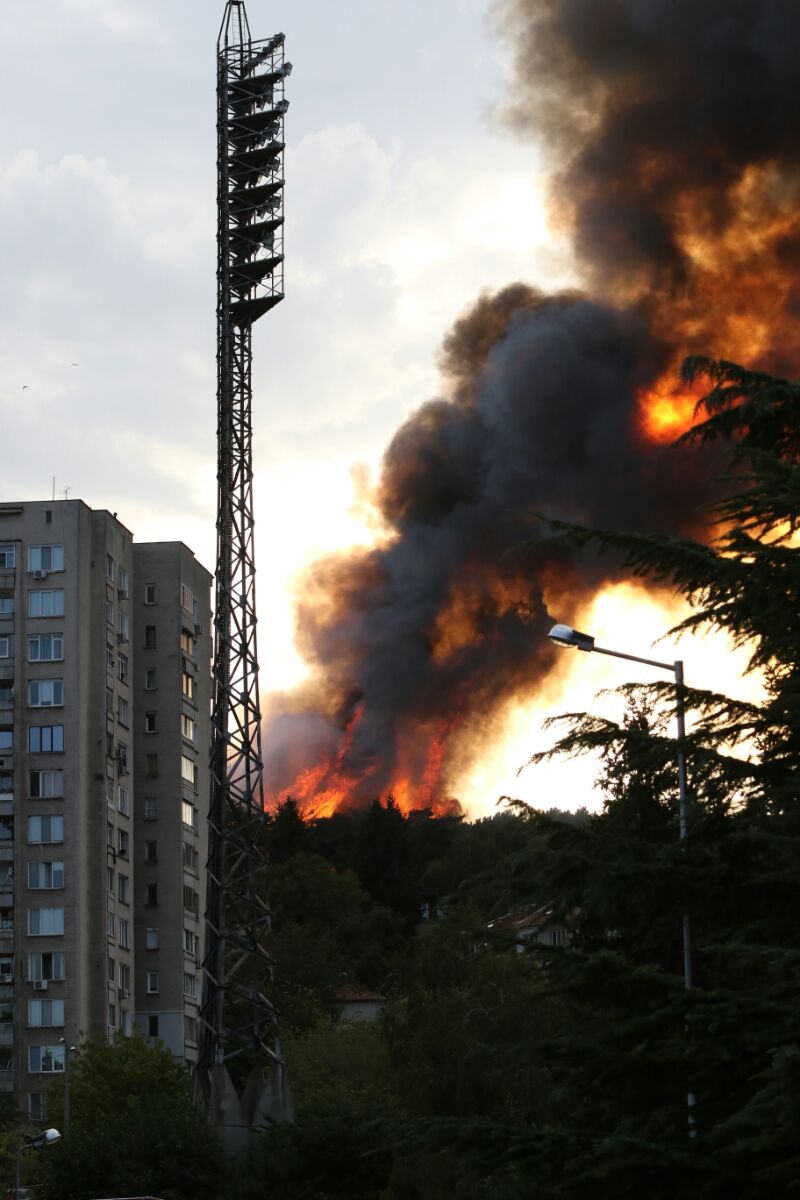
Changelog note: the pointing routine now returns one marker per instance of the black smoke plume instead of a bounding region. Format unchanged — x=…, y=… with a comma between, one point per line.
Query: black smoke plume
x=673, y=129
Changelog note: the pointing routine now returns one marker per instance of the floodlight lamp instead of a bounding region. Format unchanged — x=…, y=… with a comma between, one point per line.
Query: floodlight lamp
x=282, y=106
x=286, y=69
x=565, y=635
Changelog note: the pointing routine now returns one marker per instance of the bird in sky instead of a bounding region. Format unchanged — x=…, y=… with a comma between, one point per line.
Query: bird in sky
x=74, y=364
x=24, y=387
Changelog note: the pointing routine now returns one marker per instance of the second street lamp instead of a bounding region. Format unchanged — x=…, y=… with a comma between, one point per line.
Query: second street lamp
x=47, y=1138
x=565, y=635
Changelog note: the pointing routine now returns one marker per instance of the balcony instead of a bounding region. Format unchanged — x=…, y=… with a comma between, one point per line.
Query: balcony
x=7, y=579
x=6, y=1033
x=6, y=854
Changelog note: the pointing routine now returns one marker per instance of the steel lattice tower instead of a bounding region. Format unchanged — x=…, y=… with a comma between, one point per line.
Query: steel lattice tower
x=238, y=1058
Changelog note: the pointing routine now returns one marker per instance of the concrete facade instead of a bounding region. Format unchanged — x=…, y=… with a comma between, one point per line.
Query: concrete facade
x=74, y=868
x=172, y=695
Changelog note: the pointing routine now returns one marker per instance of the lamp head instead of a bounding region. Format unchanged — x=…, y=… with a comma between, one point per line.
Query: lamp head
x=565, y=635
x=47, y=1137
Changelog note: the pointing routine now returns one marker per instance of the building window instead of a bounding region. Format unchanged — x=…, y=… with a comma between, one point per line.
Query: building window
x=123, y=627
x=189, y=771
x=111, y=969
x=6, y=606
x=152, y=983
x=110, y=924
x=189, y=815
x=122, y=669
x=190, y=856
x=44, y=922
x=149, y=637
x=112, y=1016
x=109, y=659
x=187, y=682
x=46, y=647
x=152, y=1025
x=125, y=978
x=45, y=785
x=151, y=766
x=122, y=843
x=44, y=1060
x=45, y=558
x=109, y=567
x=151, y=939
x=123, y=803
x=45, y=875
x=188, y=727
x=187, y=643
x=5, y=647
x=45, y=739
x=122, y=711
x=190, y=1029
x=6, y=740
x=149, y=593
x=150, y=722
x=190, y=899
x=46, y=602
x=109, y=613
x=6, y=829
x=45, y=1014
x=150, y=679
x=122, y=758
x=191, y=943
x=122, y=583
x=45, y=693
x=8, y=556
x=151, y=895
x=123, y=889
x=45, y=830
x=150, y=808
x=110, y=873
x=37, y=1110
x=123, y=933
x=190, y=985
x=151, y=852
x=46, y=966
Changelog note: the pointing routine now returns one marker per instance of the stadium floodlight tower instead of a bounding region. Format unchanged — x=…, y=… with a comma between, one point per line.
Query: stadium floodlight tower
x=239, y=1069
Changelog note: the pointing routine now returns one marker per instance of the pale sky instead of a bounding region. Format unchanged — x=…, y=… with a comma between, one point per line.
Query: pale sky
x=404, y=199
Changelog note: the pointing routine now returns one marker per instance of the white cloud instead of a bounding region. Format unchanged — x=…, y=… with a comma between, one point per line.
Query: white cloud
x=120, y=18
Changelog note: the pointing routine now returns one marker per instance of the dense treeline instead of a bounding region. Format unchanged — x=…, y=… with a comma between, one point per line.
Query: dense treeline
x=558, y=1071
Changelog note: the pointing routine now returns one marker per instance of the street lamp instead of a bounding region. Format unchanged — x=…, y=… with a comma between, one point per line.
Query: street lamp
x=565, y=635
x=68, y=1050
x=47, y=1138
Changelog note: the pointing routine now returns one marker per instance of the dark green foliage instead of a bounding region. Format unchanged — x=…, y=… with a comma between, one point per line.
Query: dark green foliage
x=133, y=1131
x=287, y=832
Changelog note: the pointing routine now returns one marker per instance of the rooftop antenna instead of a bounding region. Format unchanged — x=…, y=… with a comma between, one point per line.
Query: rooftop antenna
x=239, y=1069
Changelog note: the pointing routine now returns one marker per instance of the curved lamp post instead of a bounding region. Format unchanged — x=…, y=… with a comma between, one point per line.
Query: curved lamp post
x=565, y=635
x=47, y=1138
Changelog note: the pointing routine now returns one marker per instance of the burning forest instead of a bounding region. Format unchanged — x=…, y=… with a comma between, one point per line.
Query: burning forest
x=672, y=131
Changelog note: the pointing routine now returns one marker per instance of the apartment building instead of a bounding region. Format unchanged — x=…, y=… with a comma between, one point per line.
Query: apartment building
x=71, y=734
x=172, y=699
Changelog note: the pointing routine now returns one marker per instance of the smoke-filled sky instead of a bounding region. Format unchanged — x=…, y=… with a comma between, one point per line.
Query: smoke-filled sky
x=421, y=141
